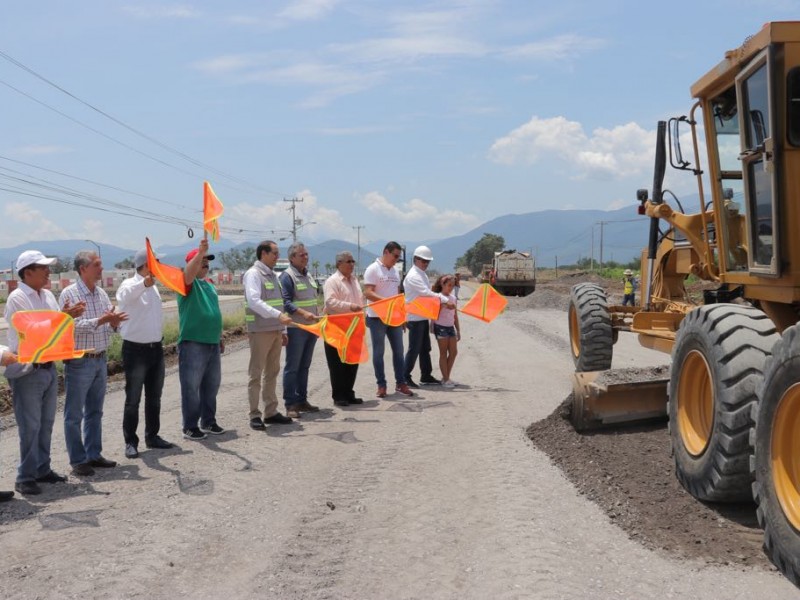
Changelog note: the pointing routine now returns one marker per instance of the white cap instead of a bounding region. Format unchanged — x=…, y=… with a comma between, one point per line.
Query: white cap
x=627, y=272
x=33, y=257
x=140, y=258
x=423, y=252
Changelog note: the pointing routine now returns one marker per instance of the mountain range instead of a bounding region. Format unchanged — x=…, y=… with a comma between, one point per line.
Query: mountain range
x=553, y=236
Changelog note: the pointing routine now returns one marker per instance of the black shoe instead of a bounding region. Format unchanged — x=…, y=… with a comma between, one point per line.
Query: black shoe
x=83, y=469
x=6, y=496
x=429, y=381
x=51, y=477
x=28, y=488
x=131, y=451
x=159, y=443
x=356, y=401
x=102, y=463
x=257, y=424
x=412, y=384
x=341, y=402
x=278, y=419
x=194, y=434
x=213, y=429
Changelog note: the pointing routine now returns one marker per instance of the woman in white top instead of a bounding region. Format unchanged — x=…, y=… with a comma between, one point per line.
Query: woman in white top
x=447, y=329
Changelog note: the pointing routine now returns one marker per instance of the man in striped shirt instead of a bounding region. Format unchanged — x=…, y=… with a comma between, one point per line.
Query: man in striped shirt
x=86, y=377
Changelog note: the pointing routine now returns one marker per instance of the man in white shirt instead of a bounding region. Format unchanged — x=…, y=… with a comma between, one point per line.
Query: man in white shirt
x=416, y=284
x=381, y=280
x=266, y=329
x=142, y=356
x=34, y=387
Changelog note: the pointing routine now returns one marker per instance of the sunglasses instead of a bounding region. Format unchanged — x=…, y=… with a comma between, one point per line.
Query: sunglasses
x=350, y=262
x=423, y=260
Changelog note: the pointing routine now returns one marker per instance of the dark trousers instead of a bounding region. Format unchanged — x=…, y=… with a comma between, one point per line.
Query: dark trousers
x=144, y=369
x=419, y=345
x=629, y=299
x=343, y=376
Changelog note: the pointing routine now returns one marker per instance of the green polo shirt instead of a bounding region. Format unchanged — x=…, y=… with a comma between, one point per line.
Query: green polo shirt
x=198, y=314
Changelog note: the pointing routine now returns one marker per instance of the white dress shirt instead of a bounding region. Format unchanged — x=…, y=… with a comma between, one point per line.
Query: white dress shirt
x=417, y=284
x=252, y=291
x=145, y=322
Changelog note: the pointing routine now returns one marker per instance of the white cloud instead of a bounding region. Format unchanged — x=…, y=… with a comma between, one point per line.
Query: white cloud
x=561, y=47
x=24, y=222
x=43, y=149
x=175, y=11
x=417, y=211
x=623, y=151
x=304, y=10
x=347, y=131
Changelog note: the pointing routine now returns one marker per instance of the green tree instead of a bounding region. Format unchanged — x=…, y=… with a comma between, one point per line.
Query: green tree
x=315, y=266
x=238, y=259
x=62, y=265
x=328, y=268
x=125, y=264
x=482, y=252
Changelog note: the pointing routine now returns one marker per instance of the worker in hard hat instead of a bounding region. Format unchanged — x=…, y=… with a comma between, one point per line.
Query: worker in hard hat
x=628, y=288
x=416, y=284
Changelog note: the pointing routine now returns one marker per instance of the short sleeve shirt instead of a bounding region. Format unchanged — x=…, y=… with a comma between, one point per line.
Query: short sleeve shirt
x=385, y=279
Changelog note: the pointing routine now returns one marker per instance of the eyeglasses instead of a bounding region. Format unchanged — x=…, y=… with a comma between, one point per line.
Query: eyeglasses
x=398, y=256
x=301, y=254
x=426, y=261
x=350, y=262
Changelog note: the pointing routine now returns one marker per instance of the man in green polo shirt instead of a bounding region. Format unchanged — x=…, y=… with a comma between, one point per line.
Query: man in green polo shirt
x=199, y=347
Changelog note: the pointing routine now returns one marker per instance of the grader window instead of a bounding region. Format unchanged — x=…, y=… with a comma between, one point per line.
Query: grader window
x=793, y=106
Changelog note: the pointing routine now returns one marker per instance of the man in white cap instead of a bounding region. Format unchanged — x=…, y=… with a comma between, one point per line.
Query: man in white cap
x=86, y=377
x=34, y=387
x=416, y=284
x=142, y=356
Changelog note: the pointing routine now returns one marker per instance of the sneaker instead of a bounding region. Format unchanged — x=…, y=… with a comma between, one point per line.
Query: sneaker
x=28, y=488
x=257, y=424
x=410, y=383
x=83, y=470
x=213, y=429
x=278, y=419
x=455, y=383
x=51, y=477
x=381, y=392
x=448, y=384
x=429, y=381
x=194, y=434
x=402, y=388
x=293, y=413
x=131, y=451
x=306, y=407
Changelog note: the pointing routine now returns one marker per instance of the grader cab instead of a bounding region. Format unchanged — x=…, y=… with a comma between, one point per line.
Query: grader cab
x=733, y=394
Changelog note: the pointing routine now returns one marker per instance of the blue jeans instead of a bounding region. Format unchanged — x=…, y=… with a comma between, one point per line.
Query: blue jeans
x=35, y=396
x=419, y=345
x=379, y=331
x=200, y=373
x=85, y=380
x=299, y=352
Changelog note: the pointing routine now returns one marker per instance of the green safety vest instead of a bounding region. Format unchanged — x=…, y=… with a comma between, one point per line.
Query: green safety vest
x=272, y=296
x=305, y=293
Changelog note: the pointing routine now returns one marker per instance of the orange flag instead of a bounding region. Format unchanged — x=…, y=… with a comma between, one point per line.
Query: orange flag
x=345, y=332
x=425, y=306
x=486, y=304
x=170, y=276
x=212, y=211
x=392, y=311
x=45, y=336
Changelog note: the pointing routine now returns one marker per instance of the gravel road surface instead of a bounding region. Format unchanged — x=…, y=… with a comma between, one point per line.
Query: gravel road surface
x=437, y=496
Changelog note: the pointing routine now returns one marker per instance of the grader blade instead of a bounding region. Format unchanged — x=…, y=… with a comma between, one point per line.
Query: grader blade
x=599, y=401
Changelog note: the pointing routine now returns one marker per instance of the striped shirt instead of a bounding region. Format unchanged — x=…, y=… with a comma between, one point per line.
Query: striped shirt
x=88, y=336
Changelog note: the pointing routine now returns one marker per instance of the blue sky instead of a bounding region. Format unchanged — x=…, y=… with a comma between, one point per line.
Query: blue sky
x=416, y=120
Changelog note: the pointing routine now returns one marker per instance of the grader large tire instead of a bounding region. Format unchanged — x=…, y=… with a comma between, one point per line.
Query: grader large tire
x=590, y=334
x=717, y=362
x=776, y=463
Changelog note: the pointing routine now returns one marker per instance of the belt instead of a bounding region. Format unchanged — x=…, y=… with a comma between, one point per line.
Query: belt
x=95, y=354
x=45, y=365
x=145, y=345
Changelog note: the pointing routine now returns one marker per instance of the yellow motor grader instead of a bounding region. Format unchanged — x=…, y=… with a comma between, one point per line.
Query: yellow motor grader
x=733, y=394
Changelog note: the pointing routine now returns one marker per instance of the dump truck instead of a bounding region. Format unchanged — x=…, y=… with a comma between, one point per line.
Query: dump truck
x=511, y=273
x=732, y=398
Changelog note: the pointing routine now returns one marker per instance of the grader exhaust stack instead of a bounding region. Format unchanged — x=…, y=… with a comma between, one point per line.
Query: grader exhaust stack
x=605, y=398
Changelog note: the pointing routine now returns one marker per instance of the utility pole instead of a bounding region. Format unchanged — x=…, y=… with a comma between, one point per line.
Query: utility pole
x=602, y=224
x=358, y=229
x=592, y=261
x=294, y=202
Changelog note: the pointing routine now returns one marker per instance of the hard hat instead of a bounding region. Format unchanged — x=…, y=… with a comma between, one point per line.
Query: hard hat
x=423, y=252
x=627, y=272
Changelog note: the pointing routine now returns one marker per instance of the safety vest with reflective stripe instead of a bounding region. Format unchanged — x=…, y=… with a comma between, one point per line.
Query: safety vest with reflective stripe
x=305, y=293
x=271, y=295
x=628, y=287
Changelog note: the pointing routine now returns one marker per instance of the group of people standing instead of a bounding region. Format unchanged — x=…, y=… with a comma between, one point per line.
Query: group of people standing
x=272, y=304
